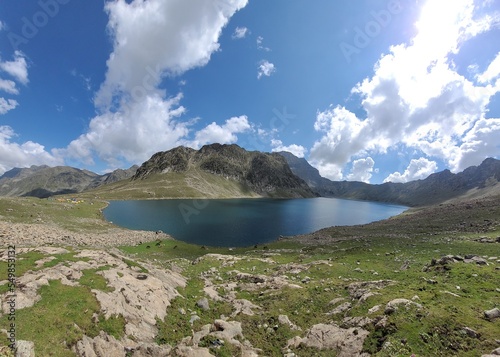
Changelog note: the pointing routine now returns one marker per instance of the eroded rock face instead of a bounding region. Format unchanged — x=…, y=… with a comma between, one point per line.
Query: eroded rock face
x=140, y=302
x=104, y=345
x=360, y=290
x=348, y=342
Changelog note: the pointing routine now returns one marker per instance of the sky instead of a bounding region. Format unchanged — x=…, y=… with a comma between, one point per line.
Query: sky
x=365, y=90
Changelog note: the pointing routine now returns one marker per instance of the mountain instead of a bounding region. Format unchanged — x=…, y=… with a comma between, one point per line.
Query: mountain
x=251, y=172
x=436, y=188
x=44, y=181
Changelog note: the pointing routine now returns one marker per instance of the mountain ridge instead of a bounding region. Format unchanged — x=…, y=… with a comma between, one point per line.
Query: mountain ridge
x=44, y=181
x=224, y=171
x=436, y=188
x=266, y=174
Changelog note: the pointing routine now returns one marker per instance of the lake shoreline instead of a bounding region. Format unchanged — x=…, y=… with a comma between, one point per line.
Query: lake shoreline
x=242, y=222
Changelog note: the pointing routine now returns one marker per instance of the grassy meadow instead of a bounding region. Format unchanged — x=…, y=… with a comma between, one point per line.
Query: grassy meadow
x=324, y=265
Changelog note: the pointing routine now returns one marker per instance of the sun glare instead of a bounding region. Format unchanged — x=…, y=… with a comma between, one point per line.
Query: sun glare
x=440, y=23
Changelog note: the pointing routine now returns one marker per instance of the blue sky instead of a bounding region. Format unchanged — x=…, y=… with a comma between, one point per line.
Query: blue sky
x=365, y=90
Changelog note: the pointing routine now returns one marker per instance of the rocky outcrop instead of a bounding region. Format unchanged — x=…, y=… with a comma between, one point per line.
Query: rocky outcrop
x=347, y=342
x=262, y=173
x=139, y=300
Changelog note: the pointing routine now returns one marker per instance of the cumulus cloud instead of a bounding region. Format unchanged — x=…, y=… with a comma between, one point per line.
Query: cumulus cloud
x=417, y=169
x=297, y=150
x=417, y=98
x=18, y=71
x=7, y=104
x=152, y=40
x=266, y=68
x=361, y=170
x=22, y=155
x=18, y=68
x=133, y=133
x=156, y=38
x=240, y=32
x=223, y=134
x=8, y=86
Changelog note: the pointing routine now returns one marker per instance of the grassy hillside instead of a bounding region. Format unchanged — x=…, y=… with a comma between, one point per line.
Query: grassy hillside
x=190, y=184
x=341, y=276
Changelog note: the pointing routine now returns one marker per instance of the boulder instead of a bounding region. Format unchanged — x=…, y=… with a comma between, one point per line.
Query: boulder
x=340, y=309
x=284, y=320
x=347, y=342
x=102, y=345
x=203, y=304
x=492, y=314
x=25, y=349
x=471, y=333
x=393, y=305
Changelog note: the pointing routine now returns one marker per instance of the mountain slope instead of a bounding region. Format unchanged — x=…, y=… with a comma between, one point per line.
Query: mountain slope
x=45, y=181
x=215, y=166
x=436, y=188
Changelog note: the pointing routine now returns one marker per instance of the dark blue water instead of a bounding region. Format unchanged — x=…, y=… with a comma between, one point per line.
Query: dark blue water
x=243, y=222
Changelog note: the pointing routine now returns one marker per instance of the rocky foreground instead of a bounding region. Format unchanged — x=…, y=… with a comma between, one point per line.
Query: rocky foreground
x=34, y=235
x=422, y=284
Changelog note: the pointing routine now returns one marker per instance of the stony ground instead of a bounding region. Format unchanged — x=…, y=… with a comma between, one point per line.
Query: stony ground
x=423, y=284
x=34, y=235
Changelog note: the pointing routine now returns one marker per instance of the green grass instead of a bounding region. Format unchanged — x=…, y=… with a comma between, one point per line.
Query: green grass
x=85, y=216
x=397, y=249
x=95, y=281
x=191, y=184
x=58, y=320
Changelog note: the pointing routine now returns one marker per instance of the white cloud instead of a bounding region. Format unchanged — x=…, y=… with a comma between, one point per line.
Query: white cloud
x=18, y=68
x=492, y=72
x=152, y=40
x=260, y=46
x=417, y=169
x=7, y=104
x=266, y=68
x=22, y=155
x=133, y=133
x=8, y=86
x=222, y=134
x=2, y=26
x=415, y=98
x=361, y=170
x=297, y=150
x=156, y=38
x=341, y=139
x=240, y=32
x=479, y=143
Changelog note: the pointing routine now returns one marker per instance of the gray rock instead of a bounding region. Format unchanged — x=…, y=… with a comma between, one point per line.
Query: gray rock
x=203, y=304
x=347, y=342
x=340, y=309
x=496, y=352
x=25, y=349
x=393, y=305
x=492, y=314
x=102, y=345
x=193, y=319
x=284, y=320
x=471, y=333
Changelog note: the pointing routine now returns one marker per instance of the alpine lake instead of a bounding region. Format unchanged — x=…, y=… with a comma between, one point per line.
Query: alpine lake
x=243, y=222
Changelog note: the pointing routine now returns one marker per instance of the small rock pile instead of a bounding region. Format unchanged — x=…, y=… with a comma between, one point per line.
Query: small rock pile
x=443, y=263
